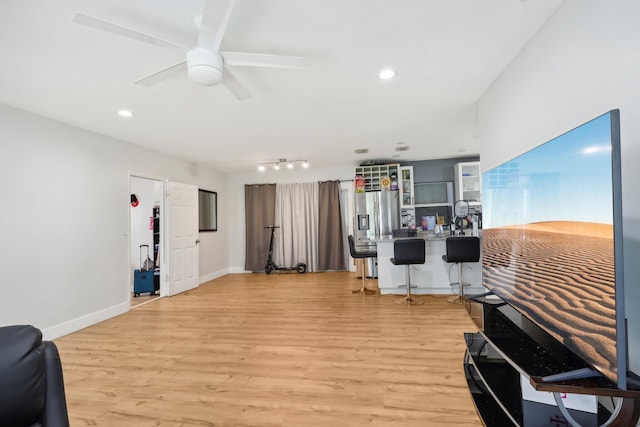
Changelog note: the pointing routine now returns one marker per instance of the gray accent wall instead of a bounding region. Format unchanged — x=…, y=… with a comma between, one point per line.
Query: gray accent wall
x=436, y=170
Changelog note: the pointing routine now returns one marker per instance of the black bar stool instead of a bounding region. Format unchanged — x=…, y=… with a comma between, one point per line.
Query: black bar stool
x=408, y=252
x=461, y=249
x=360, y=256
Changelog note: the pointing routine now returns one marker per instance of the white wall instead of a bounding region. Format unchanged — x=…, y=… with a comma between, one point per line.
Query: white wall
x=64, y=259
x=235, y=191
x=584, y=62
x=214, y=253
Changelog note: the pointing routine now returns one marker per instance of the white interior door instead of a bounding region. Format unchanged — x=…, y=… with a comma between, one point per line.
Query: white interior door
x=182, y=203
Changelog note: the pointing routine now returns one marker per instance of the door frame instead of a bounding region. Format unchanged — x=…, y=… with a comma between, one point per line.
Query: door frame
x=163, y=231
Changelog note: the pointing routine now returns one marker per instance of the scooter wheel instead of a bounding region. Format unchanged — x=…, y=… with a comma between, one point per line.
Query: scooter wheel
x=268, y=269
x=301, y=268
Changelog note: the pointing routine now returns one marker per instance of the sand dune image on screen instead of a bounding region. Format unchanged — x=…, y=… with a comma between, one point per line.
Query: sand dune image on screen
x=562, y=273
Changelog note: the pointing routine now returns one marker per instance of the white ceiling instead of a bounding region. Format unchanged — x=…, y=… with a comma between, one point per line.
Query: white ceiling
x=446, y=54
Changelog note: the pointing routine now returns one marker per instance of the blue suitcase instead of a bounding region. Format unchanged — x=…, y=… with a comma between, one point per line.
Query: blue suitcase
x=142, y=282
x=143, y=278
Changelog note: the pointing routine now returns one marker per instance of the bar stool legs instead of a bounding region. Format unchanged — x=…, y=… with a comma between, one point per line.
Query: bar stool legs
x=363, y=290
x=461, y=298
x=409, y=299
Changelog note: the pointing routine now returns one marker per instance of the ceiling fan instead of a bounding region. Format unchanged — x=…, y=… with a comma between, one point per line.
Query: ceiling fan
x=204, y=63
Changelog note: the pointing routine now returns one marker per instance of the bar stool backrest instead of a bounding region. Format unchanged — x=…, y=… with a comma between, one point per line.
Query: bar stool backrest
x=359, y=254
x=463, y=249
x=408, y=251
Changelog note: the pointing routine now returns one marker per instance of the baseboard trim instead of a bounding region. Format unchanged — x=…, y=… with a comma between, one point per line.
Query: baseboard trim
x=239, y=270
x=214, y=275
x=82, y=322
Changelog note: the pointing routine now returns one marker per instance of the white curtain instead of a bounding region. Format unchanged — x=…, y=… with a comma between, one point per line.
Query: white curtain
x=297, y=216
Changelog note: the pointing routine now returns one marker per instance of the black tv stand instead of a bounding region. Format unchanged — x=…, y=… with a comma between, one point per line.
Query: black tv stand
x=576, y=374
x=512, y=360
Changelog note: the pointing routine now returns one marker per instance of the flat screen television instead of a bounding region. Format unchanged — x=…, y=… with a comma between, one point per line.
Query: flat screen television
x=552, y=241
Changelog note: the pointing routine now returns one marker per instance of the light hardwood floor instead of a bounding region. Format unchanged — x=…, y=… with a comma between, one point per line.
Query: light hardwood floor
x=277, y=350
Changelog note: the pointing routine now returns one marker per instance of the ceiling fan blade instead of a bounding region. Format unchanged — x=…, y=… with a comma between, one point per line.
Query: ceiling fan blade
x=214, y=23
x=99, y=24
x=151, y=80
x=261, y=60
x=234, y=86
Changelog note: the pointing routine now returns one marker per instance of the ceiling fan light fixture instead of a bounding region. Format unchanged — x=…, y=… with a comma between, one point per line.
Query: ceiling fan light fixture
x=204, y=66
x=305, y=164
x=261, y=168
x=204, y=63
x=386, y=74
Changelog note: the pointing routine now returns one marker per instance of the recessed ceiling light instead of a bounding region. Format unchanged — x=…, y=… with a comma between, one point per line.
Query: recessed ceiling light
x=386, y=74
x=125, y=113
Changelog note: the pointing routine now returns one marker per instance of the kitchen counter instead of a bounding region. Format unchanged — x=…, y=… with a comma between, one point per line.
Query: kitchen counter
x=426, y=236
x=432, y=277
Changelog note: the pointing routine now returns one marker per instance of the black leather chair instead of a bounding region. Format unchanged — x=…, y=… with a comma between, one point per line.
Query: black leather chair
x=408, y=252
x=461, y=249
x=360, y=256
x=31, y=382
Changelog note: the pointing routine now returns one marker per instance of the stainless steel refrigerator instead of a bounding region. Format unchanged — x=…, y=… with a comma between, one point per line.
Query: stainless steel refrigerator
x=377, y=214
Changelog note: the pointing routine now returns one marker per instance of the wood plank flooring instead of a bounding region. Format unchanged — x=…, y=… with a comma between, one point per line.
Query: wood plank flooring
x=277, y=350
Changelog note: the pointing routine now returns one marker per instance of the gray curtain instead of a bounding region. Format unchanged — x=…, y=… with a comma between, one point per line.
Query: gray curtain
x=259, y=211
x=330, y=234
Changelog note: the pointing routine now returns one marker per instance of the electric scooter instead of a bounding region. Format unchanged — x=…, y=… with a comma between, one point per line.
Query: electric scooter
x=271, y=266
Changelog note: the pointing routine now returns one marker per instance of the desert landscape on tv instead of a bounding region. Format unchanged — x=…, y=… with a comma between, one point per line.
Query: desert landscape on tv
x=563, y=274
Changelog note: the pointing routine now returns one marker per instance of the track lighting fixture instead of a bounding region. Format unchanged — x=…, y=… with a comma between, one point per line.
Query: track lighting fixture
x=278, y=163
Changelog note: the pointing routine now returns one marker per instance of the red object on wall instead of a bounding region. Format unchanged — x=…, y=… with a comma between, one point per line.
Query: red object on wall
x=360, y=184
x=134, y=201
